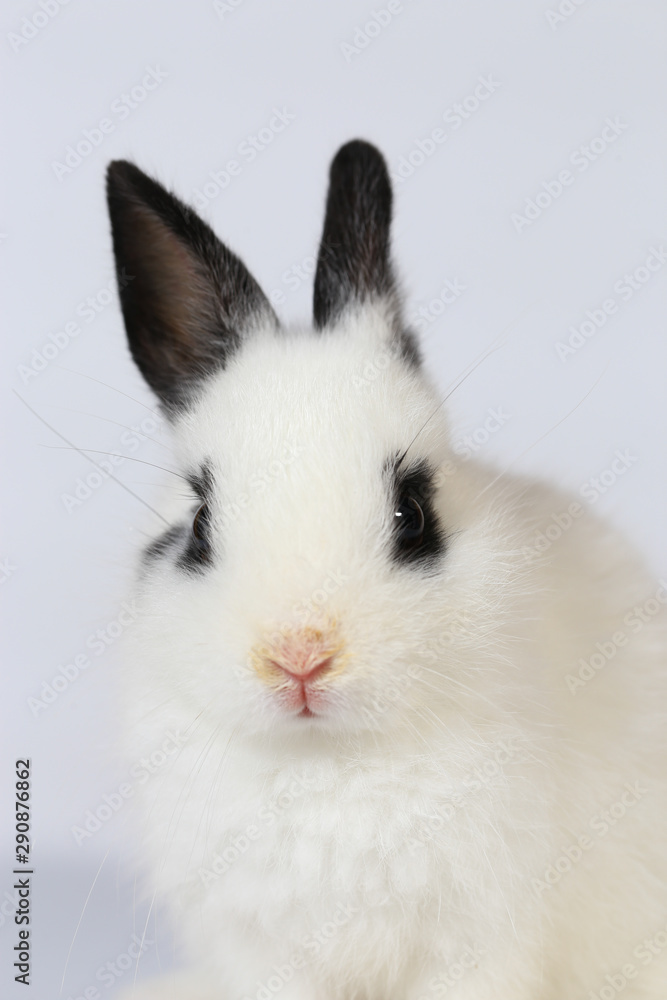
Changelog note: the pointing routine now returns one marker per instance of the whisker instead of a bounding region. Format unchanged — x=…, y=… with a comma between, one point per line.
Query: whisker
x=76, y=930
x=108, y=386
x=143, y=938
x=186, y=790
x=467, y=372
x=464, y=687
x=108, y=420
x=129, y=458
x=208, y=810
x=543, y=436
x=89, y=459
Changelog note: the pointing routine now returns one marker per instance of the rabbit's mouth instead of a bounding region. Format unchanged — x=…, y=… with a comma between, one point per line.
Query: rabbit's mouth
x=299, y=666
x=303, y=698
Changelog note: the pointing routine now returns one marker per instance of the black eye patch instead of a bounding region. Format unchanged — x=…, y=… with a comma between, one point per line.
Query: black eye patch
x=164, y=543
x=197, y=554
x=417, y=537
x=192, y=540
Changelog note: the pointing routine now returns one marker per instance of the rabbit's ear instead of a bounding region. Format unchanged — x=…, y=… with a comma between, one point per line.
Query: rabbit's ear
x=187, y=300
x=354, y=264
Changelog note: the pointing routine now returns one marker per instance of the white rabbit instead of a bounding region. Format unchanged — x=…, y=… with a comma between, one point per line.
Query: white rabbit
x=418, y=705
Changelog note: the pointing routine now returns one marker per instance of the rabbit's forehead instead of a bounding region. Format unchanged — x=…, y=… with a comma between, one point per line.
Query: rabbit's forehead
x=338, y=399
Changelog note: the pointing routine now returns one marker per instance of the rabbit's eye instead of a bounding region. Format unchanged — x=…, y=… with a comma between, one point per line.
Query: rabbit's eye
x=200, y=531
x=409, y=520
x=418, y=540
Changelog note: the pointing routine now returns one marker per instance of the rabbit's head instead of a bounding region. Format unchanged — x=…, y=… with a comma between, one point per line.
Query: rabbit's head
x=324, y=558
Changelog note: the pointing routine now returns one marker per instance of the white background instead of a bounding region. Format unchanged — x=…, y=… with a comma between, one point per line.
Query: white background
x=226, y=71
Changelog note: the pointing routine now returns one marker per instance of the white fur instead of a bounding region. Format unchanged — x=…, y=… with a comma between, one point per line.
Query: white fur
x=454, y=693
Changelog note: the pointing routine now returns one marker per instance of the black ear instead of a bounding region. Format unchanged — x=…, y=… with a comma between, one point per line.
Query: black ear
x=354, y=263
x=187, y=300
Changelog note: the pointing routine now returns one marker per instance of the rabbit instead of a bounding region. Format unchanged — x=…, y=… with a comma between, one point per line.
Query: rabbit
x=418, y=704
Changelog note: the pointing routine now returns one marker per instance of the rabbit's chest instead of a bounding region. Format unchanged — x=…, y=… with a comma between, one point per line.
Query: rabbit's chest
x=365, y=853
x=356, y=839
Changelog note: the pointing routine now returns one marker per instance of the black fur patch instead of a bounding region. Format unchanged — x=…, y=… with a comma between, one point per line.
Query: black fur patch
x=409, y=347
x=164, y=543
x=197, y=554
x=194, y=553
x=186, y=299
x=354, y=255
x=354, y=263
x=416, y=482
x=202, y=483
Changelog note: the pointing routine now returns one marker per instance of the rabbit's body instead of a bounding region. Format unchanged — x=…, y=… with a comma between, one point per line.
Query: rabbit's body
x=453, y=800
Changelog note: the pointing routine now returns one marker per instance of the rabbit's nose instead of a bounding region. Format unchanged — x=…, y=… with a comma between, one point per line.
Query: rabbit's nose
x=305, y=671
x=303, y=655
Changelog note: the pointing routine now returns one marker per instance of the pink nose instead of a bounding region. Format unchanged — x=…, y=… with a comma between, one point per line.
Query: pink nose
x=305, y=670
